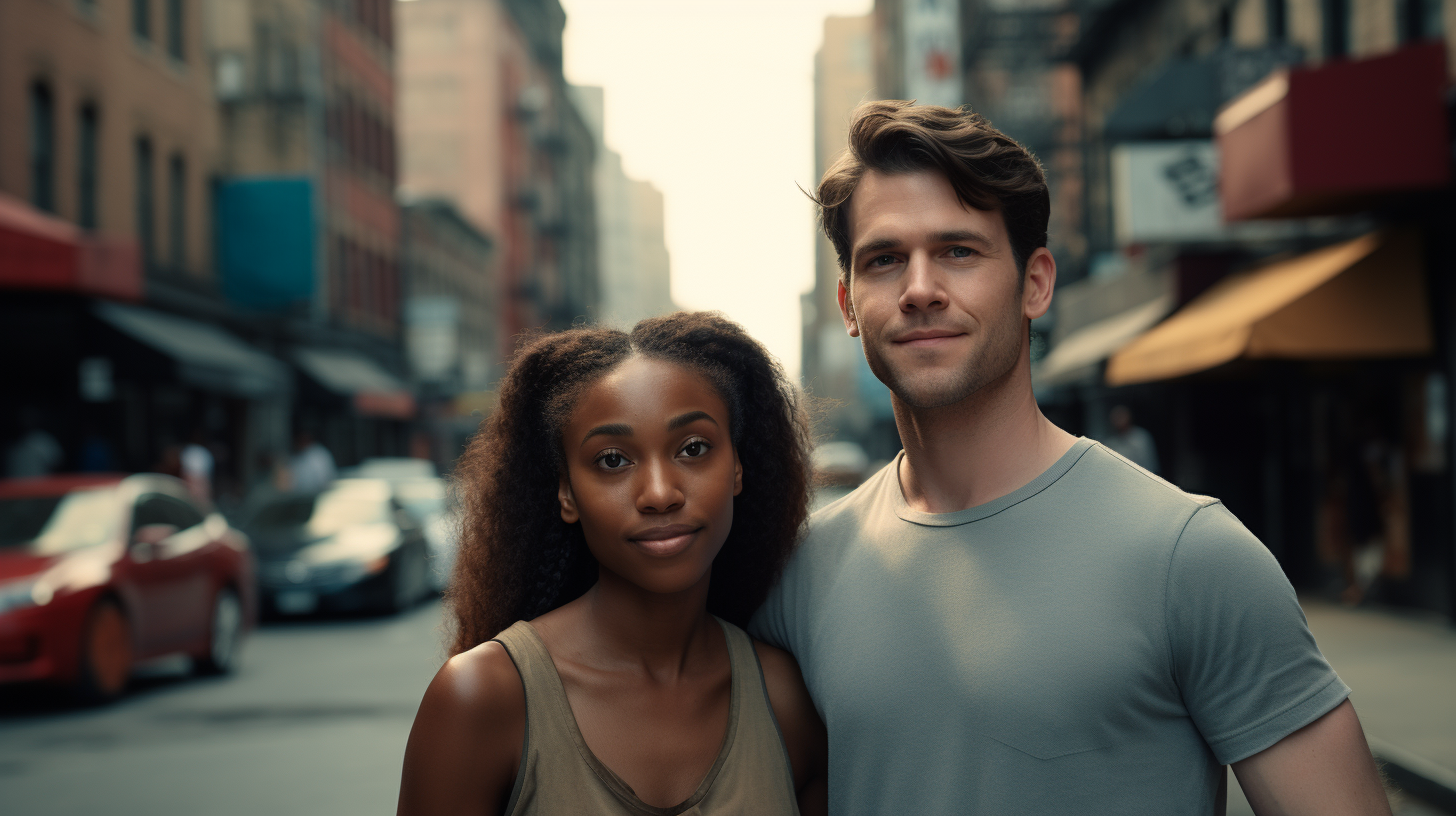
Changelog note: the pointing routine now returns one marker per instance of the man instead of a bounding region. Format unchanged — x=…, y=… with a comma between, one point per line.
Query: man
x=312, y=467
x=1007, y=619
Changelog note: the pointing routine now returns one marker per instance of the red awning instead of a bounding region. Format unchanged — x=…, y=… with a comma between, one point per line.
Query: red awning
x=40, y=251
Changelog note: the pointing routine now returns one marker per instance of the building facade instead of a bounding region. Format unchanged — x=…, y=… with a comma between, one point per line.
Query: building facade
x=489, y=125
x=309, y=233
x=109, y=142
x=636, y=275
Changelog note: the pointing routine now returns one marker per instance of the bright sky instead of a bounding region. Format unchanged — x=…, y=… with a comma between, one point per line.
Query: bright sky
x=713, y=101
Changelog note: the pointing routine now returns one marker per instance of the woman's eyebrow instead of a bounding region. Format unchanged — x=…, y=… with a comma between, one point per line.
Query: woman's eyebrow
x=690, y=416
x=607, y=430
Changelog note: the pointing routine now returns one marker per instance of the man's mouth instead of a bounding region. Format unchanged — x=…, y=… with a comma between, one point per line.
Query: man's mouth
x=927, y=338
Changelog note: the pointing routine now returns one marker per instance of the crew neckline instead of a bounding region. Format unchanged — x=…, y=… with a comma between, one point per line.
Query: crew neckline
x=1047, y=477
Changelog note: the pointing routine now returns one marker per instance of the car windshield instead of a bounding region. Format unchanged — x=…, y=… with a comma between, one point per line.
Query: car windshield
x=46, y=525
x=423, y=497
x=324, y=514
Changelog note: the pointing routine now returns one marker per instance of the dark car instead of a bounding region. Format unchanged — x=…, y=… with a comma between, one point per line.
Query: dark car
x=98, y=573
x=349, y=547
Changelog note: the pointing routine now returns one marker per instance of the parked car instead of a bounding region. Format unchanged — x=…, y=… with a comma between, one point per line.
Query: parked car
x=429, y=501
x=393, y=469
x=100, y=572
x=349, y=547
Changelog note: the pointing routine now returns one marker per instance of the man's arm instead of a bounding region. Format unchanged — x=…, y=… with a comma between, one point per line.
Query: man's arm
x=1323, y=769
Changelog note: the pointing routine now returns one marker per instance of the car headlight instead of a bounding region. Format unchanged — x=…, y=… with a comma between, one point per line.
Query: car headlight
x=20, y=594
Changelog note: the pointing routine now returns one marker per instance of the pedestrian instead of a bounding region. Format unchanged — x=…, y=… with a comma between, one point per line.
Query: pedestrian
x=196, y=462
x=312, y=467
x=618, y=474
x=1130, y=440
x=1007, y=618
x=35, y=452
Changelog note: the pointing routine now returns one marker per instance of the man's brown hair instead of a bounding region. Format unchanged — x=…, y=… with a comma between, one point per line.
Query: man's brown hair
x=987, y=169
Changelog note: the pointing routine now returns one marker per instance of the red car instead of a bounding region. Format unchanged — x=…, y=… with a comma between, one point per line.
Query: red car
x=99, y=572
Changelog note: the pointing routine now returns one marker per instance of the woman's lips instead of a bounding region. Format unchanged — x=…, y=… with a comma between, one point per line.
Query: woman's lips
x=665, y=541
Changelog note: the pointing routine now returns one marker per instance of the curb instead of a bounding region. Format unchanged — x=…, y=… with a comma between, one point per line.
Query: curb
x=1415, y=775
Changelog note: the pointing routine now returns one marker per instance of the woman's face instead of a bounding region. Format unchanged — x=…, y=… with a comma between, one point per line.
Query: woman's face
x=651, y=473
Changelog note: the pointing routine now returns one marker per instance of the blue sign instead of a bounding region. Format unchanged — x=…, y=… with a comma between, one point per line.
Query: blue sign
x=265, y=237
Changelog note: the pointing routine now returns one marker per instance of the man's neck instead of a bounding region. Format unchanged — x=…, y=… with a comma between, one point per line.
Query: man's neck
x=978, y=450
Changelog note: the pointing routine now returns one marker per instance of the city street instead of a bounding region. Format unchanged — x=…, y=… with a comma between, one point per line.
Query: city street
x=315, y=721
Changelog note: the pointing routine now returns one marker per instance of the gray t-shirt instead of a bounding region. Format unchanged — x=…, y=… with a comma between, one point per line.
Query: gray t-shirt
x=1096, y=642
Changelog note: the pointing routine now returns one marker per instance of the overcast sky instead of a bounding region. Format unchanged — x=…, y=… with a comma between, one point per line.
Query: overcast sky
x=712, y=101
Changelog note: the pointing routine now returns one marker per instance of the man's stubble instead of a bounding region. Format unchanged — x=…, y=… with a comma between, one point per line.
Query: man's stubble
x=996, y=351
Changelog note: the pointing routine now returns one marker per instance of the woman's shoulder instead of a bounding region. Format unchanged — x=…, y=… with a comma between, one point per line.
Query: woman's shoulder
x=480, y=683
x=464, y=749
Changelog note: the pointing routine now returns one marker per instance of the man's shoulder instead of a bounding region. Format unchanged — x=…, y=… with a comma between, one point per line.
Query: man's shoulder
x=1120, y=482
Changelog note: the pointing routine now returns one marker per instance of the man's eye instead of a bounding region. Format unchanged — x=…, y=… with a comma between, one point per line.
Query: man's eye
x=696, y=448
x=612, y=460
x=961, y=252
x=882, y=260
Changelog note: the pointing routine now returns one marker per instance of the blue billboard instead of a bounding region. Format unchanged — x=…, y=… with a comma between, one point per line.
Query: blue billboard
x=265, y=238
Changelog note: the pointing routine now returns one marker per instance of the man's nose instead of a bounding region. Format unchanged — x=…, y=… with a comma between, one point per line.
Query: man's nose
x=659, y=490
x=923, y=287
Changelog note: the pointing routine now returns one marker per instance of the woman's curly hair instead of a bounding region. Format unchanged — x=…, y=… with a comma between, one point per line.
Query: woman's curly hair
x=518, y=559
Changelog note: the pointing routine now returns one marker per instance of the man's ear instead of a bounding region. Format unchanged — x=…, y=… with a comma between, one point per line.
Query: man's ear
x=568, y=502
x=1041, y=279
x=846, y=310
x=737, y=474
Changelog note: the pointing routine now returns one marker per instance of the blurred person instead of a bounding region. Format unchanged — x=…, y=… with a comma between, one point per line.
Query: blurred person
x=35, y=452
x=1130, y=440
x=312, y=467
x=633, y=496
x=1007, y=618
x=197, y=464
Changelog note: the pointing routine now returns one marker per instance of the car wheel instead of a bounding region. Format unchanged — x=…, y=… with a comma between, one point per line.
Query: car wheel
x=106, y=654
x=225, y=635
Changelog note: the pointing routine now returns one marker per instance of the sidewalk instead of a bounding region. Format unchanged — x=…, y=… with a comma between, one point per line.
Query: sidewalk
x=1401, y=668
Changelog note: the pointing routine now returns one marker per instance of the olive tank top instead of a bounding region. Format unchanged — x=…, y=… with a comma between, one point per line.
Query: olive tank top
x=559, y=774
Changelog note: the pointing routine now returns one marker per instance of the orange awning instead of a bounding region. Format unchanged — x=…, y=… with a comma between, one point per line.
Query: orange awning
x=1359, y=299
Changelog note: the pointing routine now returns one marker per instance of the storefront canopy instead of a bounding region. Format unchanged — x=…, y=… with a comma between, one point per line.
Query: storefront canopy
x=206, y=357
x=1077, y=355
x=372, y=390
x=1360, y=299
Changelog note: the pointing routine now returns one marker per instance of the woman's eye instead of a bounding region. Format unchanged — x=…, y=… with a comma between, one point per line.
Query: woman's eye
x=696, y=448
x=612, y=460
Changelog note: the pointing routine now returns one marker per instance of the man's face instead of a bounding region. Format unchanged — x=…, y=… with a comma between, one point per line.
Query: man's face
x=933, y=289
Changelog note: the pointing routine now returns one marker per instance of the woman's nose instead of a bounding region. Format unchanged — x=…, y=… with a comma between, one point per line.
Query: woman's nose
x=659, y=491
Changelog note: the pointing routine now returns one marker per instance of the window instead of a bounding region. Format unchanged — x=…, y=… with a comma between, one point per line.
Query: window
x=42, y=147
x=141, y=19
x=1336, y=24
x=145, y=202
x=1276, y=21
x=88, y=137
x=177, y=211
x=176, y=33
x=1418, y=20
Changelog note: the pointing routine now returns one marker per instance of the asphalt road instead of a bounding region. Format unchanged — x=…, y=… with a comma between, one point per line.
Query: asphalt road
x=313, y=722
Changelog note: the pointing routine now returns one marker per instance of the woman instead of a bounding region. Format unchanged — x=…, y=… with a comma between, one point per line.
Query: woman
x=633, y=497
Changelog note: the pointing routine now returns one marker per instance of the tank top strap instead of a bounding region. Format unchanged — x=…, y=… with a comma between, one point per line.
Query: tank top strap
x=554, y=750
